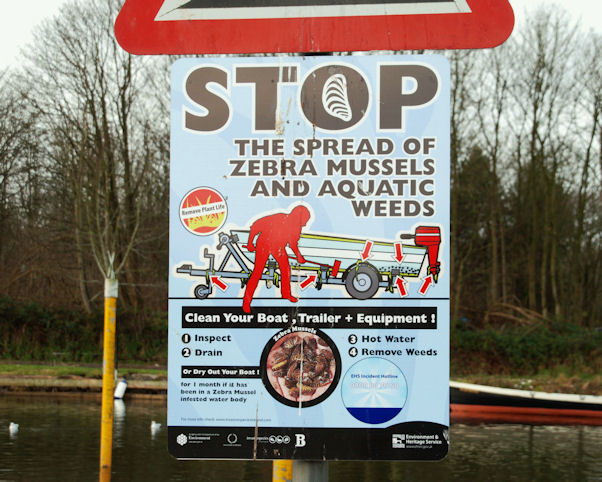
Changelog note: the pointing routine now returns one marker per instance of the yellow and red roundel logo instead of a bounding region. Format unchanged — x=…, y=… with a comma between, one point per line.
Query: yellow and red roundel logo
x=203, y=211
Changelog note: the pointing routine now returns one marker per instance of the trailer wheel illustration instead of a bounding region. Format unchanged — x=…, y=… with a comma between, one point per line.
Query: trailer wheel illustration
x=362, y=281
x=201, y=291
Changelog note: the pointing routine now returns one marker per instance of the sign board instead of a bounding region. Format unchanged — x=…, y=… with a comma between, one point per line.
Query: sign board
x=309, y=256
x=242, y=26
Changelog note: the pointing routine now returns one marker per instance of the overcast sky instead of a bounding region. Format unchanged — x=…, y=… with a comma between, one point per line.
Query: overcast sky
x=20, y=17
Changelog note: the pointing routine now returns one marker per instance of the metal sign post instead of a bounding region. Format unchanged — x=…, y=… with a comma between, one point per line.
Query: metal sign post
x=310, y=471
x=309, y=283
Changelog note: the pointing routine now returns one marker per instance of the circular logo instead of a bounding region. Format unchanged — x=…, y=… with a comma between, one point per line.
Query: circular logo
x=300, y=368
x=374, y=390
x=232, y=438
x=203, y=211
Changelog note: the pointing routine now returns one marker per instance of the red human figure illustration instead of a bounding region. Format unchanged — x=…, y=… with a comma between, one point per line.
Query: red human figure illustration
x=273, y=233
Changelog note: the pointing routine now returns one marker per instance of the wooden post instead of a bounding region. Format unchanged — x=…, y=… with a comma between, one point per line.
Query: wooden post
x=108, y=378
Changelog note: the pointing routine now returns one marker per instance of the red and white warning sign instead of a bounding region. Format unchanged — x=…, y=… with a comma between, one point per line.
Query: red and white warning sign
x=246, y=26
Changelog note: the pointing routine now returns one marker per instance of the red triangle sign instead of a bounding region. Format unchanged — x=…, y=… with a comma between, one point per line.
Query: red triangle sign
x=252, y=26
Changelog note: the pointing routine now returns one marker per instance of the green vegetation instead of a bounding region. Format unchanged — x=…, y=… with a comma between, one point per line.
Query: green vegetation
x=70, y=370
x=59, y=371
x=30, y=332
x=543, y=347
x=534, y=355
x=549, y=356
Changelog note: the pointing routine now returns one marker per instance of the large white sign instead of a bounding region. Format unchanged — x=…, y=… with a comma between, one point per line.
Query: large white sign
x=309, y=255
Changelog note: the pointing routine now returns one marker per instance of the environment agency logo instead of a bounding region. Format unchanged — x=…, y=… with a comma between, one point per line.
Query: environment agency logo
x=182, y=439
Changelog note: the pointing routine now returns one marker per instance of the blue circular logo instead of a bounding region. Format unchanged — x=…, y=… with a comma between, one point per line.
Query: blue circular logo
x=374, y=390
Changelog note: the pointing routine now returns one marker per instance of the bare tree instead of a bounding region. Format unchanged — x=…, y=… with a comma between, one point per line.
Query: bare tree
x=100, y=132
x=463, y=68
x=541, y=91
x=586, y=244
x=493, y=99
x=20, y=187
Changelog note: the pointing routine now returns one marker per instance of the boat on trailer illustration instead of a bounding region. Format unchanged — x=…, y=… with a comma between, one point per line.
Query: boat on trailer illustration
x=334, y=260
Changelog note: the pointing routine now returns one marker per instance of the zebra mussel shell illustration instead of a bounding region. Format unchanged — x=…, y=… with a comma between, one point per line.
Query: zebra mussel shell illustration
x=335, y=99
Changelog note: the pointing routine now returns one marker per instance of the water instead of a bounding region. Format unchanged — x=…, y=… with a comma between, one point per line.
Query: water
x=58, y=439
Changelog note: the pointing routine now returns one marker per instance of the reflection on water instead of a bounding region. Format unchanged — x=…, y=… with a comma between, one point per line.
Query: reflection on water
x=58, y=439
x=498, y=452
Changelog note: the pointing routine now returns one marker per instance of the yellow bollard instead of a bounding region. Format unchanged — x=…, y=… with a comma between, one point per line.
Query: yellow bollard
x=282, y=471
x=108, y=379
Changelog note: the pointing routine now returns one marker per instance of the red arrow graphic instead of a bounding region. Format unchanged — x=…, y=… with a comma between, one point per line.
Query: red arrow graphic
x=335, y=268
x=399, y=253
x=428, y=281
x=310, y=280
x=367, y=249
x=401, y=286
x=219, y=283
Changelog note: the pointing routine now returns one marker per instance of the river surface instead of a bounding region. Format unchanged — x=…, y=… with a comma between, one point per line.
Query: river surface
x=58, y=440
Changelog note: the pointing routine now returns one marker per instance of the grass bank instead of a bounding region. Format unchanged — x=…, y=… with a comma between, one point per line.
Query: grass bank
x=70, y=370
x=547, y=356
x=550, y=347
x=29, y=331
x=559, y=382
